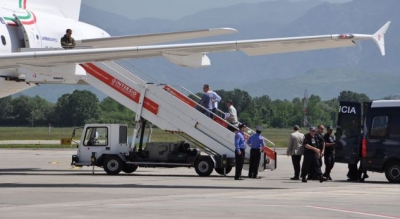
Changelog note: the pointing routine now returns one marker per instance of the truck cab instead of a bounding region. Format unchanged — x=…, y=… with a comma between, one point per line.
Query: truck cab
x=375, y=142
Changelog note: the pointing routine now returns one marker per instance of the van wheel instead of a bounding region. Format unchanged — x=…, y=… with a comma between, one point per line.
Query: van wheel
x=220, y=171
x=204, y=166
x=112, y=165
x=392, y=172
x=129, y=168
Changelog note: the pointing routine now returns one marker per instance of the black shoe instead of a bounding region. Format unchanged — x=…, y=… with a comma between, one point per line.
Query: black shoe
x=239, y=179
x=328, y=178
x=321, y=179
x=294, y=178
x=303, y=180
x=257, y=177
x=365, y=176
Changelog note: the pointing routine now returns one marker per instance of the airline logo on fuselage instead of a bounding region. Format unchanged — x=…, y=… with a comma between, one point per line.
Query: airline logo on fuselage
x=347, y=109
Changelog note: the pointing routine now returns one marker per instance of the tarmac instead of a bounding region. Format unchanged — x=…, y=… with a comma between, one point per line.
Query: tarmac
x=42, y=184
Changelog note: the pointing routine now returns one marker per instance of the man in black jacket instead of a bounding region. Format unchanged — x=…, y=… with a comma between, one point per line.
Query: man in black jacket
x=311, y=156
x=67, y=41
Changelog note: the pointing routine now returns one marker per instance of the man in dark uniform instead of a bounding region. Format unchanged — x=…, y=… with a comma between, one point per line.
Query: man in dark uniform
x=240, y=146
x=321, y=146
x=311, y=156
x=329, y=155
x=256, y=142
x=67, y=41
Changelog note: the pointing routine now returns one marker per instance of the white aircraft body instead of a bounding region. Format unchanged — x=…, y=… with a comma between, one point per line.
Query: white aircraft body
x=31, y=52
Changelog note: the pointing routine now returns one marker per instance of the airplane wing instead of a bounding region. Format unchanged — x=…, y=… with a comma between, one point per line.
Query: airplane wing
x=150, y=39
x=191, y=54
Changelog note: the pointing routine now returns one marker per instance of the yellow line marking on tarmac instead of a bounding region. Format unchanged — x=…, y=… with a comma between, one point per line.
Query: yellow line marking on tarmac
x=54, y=162
x=76, y=168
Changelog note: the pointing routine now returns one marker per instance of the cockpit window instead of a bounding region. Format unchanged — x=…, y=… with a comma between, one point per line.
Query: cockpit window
x=3, y=40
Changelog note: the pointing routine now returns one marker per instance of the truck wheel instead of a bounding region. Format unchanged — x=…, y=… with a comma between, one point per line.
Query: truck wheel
x=204, y=166
x=221, y=170
x=130, y=168
x=112, y=165
x=392, y=172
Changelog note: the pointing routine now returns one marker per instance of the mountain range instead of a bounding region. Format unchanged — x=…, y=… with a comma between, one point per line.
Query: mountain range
x=284, y=76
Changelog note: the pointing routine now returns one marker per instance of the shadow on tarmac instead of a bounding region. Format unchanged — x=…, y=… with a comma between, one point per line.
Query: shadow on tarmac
x=40, y=185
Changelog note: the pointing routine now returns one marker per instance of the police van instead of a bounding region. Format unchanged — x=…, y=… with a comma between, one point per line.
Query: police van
x=370, y=133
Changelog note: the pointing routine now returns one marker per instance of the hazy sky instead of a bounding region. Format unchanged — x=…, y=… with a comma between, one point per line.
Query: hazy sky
x=166, y=9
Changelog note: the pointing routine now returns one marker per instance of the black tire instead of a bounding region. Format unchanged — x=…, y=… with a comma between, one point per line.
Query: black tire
x=220, y=171
x=204, y=166
x=112, y=165
x=392, y=172
x=129, y=168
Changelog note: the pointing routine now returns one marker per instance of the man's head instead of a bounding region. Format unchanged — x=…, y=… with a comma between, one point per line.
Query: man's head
x=242, y=127
x=228, y=103
x=68, y=32
x=321, y=128
x=296, y=128
x=313, y=130
x=259, y=129
x=206, y=87
x=329, y=129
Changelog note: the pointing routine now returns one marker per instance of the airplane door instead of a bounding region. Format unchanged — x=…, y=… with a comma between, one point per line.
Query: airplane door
x=27, y=23
x=348, y=133
x=5, y=41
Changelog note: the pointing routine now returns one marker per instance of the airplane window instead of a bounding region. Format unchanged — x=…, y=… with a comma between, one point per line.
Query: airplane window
x=3, y=40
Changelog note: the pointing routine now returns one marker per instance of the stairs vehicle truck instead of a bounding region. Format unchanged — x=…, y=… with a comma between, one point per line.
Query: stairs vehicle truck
x=207, y=145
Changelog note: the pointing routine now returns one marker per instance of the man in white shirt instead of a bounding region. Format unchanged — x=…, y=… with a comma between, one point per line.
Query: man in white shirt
x=232, y=117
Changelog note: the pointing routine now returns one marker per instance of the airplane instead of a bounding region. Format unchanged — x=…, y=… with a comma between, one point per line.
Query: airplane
x=31, y=52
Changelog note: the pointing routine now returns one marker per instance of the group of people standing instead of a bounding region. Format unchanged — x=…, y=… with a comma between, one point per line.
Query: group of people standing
x=313, y=146
x=257, y=144
x=209, y=105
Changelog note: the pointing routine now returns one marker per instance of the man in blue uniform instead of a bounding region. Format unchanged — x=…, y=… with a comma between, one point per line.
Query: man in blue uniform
x=257, y=144
x=240, y=146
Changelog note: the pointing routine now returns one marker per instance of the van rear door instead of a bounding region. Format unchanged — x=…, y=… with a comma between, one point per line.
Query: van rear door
x=348, y=133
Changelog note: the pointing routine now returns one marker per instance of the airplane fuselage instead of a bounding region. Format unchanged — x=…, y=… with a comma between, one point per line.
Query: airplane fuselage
x=35, y=31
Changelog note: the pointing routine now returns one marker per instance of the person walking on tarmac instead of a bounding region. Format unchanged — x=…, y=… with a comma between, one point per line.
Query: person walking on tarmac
x=311, y=156
x=329, y=155
x=295, y=150
x=240, y=146
x=257, y=144
x=321, y=146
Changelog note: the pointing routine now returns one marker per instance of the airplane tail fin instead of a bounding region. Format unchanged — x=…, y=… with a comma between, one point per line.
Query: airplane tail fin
x=379, y=37
x=69, y=8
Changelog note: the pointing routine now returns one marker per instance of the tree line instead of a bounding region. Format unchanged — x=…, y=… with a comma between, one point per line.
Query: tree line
x=82, y=107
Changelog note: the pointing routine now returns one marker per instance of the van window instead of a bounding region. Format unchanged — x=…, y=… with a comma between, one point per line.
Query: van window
x=123, y=134
x=379, y=126
x=96, y=136
x=395, y=126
